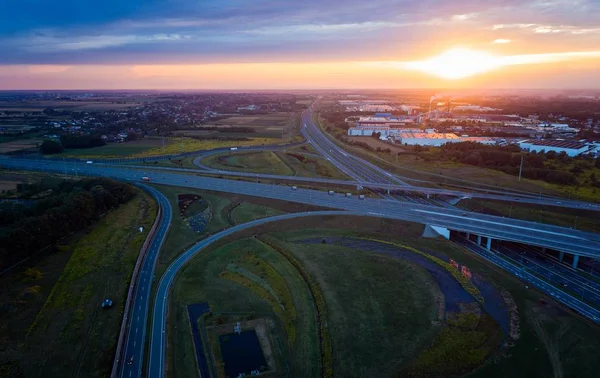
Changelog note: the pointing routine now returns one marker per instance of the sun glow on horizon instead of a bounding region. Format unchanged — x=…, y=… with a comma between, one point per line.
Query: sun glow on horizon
x=457, y=63
x=460, y=63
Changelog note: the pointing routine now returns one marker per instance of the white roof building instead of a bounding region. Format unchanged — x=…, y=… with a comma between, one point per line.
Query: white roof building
x=571, y=148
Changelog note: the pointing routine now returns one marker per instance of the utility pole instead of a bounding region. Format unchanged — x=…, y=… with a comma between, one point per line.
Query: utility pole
x=521, y=168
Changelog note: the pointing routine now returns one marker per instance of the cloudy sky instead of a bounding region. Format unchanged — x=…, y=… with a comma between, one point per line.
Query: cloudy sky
x=238, y=44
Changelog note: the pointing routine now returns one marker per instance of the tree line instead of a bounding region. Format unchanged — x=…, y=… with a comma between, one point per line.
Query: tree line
x=49, y=147
x=552, y=167
x=64, y=208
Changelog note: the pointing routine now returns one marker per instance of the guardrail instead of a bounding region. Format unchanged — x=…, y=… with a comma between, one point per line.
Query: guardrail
x=136, y=270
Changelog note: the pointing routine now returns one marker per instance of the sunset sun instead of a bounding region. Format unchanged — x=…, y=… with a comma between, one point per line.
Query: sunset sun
x=457, y=64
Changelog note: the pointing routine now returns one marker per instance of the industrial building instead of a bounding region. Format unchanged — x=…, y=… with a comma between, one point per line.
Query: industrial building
x=381, y=123
x=426, y=139
x=571, y=148
x=437, y=139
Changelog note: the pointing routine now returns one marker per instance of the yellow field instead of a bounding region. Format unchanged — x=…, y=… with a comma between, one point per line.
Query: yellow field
x=181, y=145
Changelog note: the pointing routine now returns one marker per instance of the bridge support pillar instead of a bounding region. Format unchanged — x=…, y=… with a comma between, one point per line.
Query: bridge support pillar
x=575, y=261
x=561, y=256
x=478, y=239
x=468, y=236
x=489, y=244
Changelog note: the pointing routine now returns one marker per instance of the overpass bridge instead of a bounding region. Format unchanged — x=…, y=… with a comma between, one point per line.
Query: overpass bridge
x=578, y=243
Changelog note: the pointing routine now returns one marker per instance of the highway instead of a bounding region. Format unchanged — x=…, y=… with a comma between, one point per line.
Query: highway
x=552, y=270
x=538, y=234
x=355, y=167
x=156, y=362
x=523, y=274
x=394, y=188
x=136, y=334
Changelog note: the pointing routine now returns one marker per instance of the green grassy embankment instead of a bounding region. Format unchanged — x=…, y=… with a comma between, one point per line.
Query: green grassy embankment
x=70, y=335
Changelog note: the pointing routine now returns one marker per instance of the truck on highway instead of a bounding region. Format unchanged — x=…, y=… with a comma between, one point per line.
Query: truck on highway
x=348, y=194
x=233, y=148
x=145, y=178
x=361, y=197
x=331, y=192
x=89, y=162
x=294, y=187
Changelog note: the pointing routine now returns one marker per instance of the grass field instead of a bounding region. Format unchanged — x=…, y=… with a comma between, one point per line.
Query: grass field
x=186, y=162
x=380, y=311
x=150, y=147
x=247, y=212
x=116, y=149
x=276, y=163
x=258, y=162
x=382, y=306
x=55, y=327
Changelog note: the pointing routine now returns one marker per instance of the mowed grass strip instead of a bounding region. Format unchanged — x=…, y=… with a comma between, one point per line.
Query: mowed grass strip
x=247, y=212
x=310, y=166
x=259, y=162
x=71, y=335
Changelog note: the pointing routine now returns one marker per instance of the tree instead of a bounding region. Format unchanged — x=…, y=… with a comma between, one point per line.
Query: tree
x=50, y=147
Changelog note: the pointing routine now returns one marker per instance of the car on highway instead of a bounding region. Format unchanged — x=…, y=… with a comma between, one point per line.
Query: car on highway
x=294, y=187
x=130, y=360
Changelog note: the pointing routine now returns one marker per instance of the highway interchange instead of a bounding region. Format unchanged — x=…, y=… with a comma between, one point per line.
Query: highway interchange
x=537, y=234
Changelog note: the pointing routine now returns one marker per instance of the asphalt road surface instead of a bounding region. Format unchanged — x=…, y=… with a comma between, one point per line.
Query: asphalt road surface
x=538, y=234
x=394, y=188
x=136, y=333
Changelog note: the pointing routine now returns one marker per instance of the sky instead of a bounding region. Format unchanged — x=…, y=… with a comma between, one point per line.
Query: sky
x=309, y=44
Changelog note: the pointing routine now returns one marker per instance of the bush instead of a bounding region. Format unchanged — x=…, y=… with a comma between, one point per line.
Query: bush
x=50, y=147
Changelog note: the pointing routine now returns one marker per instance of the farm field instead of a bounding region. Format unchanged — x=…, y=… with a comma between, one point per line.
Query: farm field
x=19, y=144
x=277, y=163
x=115, y=149
x=276, y=125
x=381, y=293
x=153, y=147
x=53, y=325
x=80, y=106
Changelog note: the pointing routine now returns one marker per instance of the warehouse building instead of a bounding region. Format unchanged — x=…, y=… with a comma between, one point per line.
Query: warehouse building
x=571, y=148
x=426, y=139
x=438, y=139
